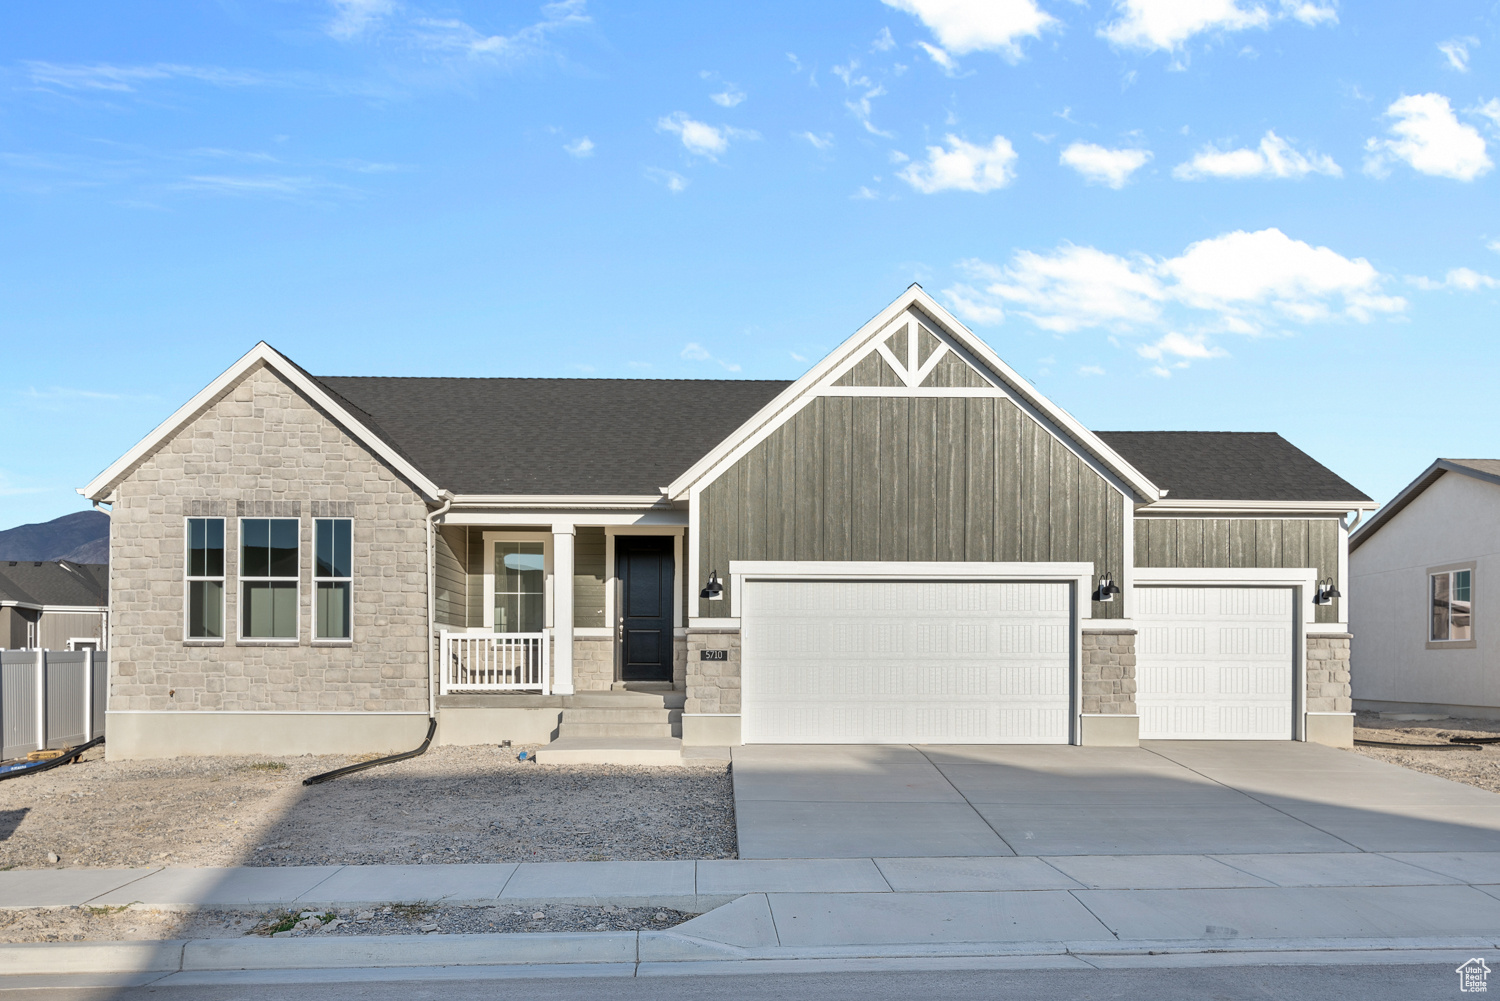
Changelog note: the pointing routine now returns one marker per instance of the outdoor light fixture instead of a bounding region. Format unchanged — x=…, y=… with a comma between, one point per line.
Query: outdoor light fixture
x=1326, y=592
x=1107, y=588
x=714, y=591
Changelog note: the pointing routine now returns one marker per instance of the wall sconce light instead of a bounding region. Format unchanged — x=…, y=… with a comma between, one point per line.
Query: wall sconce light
x=1326, y=592
x=713, y=591
x=1107, y=588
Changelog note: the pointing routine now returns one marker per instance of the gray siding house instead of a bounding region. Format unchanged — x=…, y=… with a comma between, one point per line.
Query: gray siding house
x=53, y=605
x=907, y=544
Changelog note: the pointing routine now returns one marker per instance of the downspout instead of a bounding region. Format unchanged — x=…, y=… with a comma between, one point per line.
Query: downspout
x=447, y=499
x=104, y=627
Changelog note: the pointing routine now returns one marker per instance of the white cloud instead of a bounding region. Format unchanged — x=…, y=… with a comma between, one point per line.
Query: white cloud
x=1428, y=136
x=860, y=106
x=1176, y=350
x=1273, y=158
x=1456, y=50
x=455, y=37
x=1110, y=167
x=696, y=352
x=865, y=194
x=963, y=166
x=963, y=26
x=669, y=179
x=1458, y=280
x=820, y=142
x=107, y=77
x=700, y=138
x=1238, y=282
x=1165, y=25
x=355, y=17
x=728, y=97
x=945, y=62
x=581, y=147
x=883, y=41
x=1091, y=370
x=1490, y=109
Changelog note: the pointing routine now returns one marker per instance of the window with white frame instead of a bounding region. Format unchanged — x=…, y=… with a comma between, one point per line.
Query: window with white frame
x=1452, y=606
x=269, y=578
x=520, y=587
x=332, y=577
x=205, y=578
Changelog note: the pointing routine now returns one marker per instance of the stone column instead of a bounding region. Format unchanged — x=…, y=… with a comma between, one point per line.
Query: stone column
x=562, y=609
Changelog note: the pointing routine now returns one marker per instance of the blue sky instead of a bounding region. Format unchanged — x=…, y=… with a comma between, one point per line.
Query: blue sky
x=1169, y=214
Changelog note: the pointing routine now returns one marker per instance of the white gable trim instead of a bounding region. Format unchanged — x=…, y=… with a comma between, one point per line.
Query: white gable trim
x=262, y=354
x=846, y=355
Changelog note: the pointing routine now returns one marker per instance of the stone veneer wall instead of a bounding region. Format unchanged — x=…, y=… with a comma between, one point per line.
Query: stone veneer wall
x=1109, y=671
x=593, y=663
x=262, y=450
x=679, y=663
x=713, y=686
x=1328, y=673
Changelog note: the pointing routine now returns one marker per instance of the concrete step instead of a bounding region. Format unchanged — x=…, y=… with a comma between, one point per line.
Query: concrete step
x=625, y=700
x=567, y=729
x=591, y=714
x=611, y=751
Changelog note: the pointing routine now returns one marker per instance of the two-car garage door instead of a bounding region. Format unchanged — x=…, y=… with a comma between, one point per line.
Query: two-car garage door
x=892, y=661
x=1214, y=662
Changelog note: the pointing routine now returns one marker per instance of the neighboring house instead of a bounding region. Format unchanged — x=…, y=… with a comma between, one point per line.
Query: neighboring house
x=1423, y=596
x=907, y=544
x=56, y=605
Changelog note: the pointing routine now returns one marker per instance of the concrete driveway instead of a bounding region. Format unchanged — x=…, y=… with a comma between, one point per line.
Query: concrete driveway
x=1163, y=798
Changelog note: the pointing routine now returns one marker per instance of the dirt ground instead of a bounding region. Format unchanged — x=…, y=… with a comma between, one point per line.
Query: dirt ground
x=138, y=923
x=452, y=804
x=1479, y=766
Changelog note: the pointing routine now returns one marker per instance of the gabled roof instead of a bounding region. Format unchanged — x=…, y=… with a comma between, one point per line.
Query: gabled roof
x=1231, y=465
x=1487, y=470
x=553, y=437
x=914, y=298
x=31, y=582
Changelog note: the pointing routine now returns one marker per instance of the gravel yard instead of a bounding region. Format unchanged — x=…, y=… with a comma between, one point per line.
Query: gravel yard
x=137, y=923
x=1477, y=766
x=452, y=804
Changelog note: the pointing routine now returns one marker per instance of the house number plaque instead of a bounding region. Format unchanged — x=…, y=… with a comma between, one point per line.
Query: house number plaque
x=713, y=654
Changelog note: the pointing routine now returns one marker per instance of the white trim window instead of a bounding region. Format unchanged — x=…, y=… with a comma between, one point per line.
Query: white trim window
x=269, y=561
x=333, y=578
x=205, y=579
x=517, y=582
x=1452, y=606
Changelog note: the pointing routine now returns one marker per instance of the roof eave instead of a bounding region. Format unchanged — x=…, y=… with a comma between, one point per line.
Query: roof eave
x=1410, y=492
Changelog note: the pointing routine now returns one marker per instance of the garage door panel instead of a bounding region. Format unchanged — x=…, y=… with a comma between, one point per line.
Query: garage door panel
x=905, y=662
x=1214, y=662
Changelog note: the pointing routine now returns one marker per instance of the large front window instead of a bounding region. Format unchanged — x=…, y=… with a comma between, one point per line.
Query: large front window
x=1452, y=606
x=520, y=587
x=268, y=578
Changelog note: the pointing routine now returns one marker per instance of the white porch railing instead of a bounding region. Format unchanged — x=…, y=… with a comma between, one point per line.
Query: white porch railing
x=495, y=662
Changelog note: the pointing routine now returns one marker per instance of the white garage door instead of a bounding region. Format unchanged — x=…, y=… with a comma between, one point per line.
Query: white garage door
x=876, y=662
x=1214, y=663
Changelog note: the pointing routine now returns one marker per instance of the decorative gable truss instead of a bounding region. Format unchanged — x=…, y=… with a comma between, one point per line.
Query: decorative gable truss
x=914, y=357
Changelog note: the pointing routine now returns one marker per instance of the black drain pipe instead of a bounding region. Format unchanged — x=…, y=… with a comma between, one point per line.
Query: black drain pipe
x=32, y=767
x=361, y=766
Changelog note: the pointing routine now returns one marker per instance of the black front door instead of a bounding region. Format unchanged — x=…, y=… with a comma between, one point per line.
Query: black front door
x=644, y=565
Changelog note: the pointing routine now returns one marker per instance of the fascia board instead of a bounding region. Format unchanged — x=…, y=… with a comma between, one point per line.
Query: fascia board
x=264, y=354
x=1409, y=493
x=1137, y=480
x=632, y=501
x=1173, y=506
x=787, y=397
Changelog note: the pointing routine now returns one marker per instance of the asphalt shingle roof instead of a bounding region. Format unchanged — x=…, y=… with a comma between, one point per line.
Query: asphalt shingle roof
x=52, y=583
x=1230, y=465
x=553, y=436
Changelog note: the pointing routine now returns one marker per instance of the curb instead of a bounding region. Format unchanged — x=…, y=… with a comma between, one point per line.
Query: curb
x=608, y=948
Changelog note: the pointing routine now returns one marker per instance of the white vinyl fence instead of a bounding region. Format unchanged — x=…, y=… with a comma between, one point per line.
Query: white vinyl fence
x=50, y=698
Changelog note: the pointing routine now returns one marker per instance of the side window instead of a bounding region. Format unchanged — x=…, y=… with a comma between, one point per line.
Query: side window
x=205, y=578
x=332, y=578
x=268, y=578
x=1451, y=606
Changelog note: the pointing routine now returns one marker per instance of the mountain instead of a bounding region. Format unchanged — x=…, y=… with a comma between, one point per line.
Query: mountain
x=82, y=537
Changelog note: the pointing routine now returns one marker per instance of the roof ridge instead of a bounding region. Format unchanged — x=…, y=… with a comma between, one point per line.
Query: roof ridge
x=539, y=378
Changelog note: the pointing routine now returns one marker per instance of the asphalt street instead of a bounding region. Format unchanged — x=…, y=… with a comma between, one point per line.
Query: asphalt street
x=1366, y=982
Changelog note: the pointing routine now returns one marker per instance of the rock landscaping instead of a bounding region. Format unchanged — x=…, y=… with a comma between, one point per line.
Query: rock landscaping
x=1477, y=765
x=137, y=923
x=452, y=804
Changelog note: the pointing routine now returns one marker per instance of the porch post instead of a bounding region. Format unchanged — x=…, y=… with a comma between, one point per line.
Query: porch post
x=562, y=608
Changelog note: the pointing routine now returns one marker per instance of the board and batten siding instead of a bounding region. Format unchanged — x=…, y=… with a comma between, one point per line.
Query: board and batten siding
x=1241, y=543
x=588, y=577
x=910, y=479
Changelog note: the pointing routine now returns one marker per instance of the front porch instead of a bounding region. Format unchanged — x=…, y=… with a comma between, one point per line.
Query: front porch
x=625, y=726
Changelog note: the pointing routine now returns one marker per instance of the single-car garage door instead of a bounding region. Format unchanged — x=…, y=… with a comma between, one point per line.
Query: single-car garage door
x=879, y=661
x=1214, y=662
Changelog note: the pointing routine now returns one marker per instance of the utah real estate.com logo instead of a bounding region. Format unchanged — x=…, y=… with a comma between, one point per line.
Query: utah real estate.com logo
x=1471, y=976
